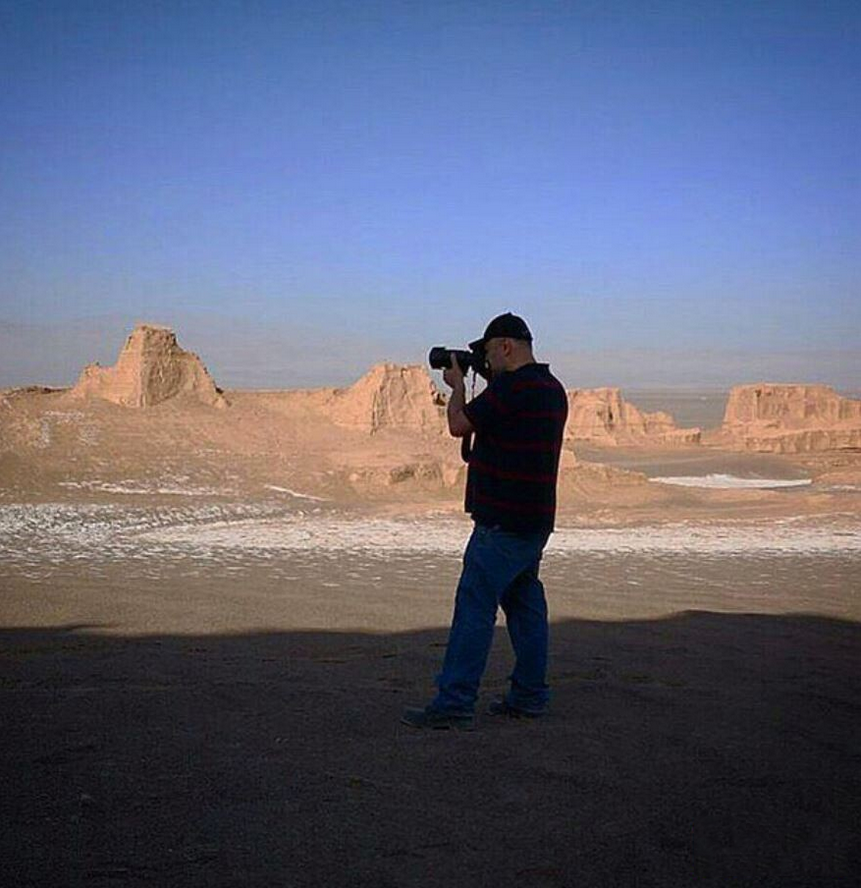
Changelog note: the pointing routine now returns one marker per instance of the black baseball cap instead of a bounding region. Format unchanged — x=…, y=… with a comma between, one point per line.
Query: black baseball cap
x=508, y=326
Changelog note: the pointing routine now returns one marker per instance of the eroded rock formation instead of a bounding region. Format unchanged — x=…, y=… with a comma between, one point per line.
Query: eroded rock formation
x=390, y=396
x=781, y=418
x=603, y=416
x=151, y=368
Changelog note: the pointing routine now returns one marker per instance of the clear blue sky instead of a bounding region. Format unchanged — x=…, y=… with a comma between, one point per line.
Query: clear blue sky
x=670, y=192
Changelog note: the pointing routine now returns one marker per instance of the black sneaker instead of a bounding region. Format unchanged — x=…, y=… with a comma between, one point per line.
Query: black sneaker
x=438, y=719
x=503, y=707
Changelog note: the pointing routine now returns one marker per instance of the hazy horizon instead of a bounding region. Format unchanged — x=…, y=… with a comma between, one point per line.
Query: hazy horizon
x=671, y=194
x=243, y=355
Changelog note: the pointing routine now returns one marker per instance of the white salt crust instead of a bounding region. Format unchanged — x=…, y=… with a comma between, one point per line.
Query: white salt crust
x=731, y=482
x=57, y=532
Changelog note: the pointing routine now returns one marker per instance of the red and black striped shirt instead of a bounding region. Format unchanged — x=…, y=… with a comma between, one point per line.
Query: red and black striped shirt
x=518, y=420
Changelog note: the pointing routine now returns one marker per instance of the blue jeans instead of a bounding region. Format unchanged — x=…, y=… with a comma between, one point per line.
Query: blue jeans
x=500, y=569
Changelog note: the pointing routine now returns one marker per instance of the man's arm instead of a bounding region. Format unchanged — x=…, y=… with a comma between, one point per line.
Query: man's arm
x=458, y=424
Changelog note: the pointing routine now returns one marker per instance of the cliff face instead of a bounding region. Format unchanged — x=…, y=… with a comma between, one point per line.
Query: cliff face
x=602, y=416
x=151, y=368
x=390, y=396
x=790, y=418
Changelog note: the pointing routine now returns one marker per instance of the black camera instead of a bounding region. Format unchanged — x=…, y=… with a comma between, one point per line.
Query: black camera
x=474, y=359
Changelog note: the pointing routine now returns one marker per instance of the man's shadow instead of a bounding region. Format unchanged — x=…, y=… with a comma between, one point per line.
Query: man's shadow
x=699, y=749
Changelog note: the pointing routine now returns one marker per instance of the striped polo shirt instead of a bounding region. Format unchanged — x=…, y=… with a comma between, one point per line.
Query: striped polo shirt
x=518, y=420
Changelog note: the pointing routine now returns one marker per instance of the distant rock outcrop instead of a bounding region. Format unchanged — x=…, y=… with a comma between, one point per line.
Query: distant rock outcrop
x=602, y=416
x=779, y=418
x=390, y=396
x=151, y=368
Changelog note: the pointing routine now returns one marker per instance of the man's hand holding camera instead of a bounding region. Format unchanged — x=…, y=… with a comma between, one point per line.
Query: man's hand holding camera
x=458, y=424
x=453, y=375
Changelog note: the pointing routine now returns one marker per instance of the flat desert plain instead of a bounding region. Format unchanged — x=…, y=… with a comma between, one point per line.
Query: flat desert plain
x=208, y=640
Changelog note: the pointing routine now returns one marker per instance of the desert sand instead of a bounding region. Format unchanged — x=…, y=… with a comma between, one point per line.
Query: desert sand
x=215, y=605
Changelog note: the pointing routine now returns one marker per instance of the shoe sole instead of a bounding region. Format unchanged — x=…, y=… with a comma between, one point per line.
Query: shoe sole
x=509, y=712
x=447, y=725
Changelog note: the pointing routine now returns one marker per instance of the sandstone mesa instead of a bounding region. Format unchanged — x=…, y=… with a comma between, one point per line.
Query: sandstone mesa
x=390, y=396
x=151, y=416
x=602, y=416
x=780, y=418
x=151, y=368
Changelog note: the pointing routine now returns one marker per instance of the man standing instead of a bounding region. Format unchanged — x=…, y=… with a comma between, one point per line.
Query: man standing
x=518, y=421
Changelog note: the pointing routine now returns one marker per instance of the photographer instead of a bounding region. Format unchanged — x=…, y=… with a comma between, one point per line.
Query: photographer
x=518, y=421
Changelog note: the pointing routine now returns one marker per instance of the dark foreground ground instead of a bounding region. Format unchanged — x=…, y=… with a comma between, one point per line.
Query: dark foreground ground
x=703, y=749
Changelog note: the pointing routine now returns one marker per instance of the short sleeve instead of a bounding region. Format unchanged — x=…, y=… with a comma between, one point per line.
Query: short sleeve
x=492, y=406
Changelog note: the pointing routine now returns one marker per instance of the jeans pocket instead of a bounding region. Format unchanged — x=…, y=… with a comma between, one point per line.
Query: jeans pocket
x=517, y=547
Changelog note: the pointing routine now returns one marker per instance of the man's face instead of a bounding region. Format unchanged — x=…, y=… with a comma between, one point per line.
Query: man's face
x=496, y=350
